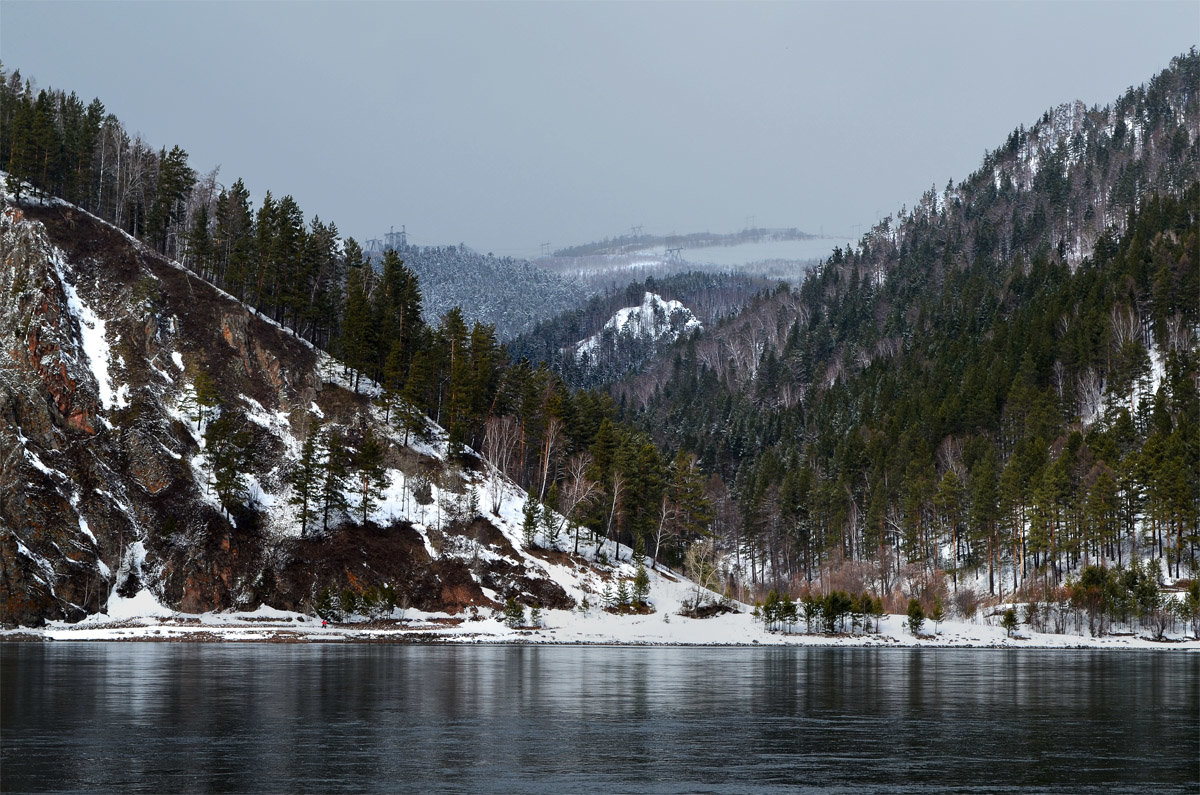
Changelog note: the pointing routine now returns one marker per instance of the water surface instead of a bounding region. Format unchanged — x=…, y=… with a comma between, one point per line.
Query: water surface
x=283, y=718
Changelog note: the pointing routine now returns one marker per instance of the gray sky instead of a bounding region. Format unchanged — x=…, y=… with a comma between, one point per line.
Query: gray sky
x=505, y=125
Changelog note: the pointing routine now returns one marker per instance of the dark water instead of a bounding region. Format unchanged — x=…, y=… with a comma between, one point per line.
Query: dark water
x=282, y=718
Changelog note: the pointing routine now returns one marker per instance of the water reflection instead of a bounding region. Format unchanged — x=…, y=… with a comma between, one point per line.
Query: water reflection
x=154, y=717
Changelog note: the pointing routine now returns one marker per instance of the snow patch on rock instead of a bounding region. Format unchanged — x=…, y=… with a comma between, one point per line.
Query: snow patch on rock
x=655, y=318
x=94, y=337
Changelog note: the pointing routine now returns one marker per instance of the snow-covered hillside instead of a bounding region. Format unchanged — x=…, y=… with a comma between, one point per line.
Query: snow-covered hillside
x=132, y=383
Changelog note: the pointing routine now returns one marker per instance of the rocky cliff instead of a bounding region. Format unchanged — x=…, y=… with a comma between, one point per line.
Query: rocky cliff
x=105, y=489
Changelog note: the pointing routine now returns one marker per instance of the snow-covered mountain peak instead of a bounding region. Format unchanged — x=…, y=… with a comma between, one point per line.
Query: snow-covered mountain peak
x=655, y=319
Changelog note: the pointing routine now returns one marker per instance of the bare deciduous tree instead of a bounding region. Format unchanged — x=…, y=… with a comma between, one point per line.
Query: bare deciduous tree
x=500, y=438
x=578, y=490
x=551, y=441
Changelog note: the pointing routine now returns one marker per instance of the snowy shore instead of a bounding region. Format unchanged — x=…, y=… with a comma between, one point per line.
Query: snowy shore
x=146, y=621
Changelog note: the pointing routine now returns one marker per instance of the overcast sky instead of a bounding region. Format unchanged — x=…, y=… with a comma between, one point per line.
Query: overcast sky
x=506, y=125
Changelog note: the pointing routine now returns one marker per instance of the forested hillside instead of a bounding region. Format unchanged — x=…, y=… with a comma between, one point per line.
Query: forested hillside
x=569, y=450
x=509, y=294
x=1000, y=382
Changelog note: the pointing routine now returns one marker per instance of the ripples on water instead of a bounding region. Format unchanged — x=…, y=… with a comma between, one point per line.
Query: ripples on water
x=285, y=718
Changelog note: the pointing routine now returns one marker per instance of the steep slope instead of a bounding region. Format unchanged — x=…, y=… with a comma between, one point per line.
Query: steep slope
x=1036, y=321
x=119, y=369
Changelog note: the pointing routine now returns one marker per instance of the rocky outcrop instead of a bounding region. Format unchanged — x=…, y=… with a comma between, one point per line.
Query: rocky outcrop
x=103, y=486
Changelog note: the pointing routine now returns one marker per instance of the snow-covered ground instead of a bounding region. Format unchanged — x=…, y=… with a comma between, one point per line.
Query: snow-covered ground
x=141, y=618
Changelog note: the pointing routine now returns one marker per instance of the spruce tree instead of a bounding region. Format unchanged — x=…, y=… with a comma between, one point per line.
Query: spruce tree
x=916, y=617
x=530, y=520
x=623, y=596
x=641, y=587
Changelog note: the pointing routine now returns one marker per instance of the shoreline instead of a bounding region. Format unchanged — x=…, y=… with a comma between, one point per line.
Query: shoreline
x=735, y=631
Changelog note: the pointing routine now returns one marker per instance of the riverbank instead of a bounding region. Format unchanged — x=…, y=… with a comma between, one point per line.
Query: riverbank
x=595, y=627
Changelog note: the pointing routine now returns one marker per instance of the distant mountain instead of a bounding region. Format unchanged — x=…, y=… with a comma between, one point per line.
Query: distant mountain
x=660, y=310
x=776, y=254
x=511, y=294
x=638, y=241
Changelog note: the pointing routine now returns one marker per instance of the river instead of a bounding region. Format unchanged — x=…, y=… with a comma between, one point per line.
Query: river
x=155, y=717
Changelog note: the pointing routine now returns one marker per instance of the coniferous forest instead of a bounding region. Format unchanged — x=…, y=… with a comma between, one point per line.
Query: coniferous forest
x=999, y=384
x=996, y=388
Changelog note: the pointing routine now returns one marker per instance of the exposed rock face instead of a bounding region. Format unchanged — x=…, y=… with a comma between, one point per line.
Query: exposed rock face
x=102, y=483
x=49, y=564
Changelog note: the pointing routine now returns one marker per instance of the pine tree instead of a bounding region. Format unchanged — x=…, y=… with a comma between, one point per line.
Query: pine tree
x=949, y=503
x=395, y=373
x=371, y=473
x=199, y=244
x=938, y=614
x=174, y=183
x=353, y=346
x=458, y=397
x=305, y=476
x=21, y=157
x=877, y=611
x=262, y=275
x=1009, y=621
x=288, y=265
x=234, y=239
x=514, y=613
x=227, y=449
x=333, y=478
x=396, y=313
x=550, y=525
